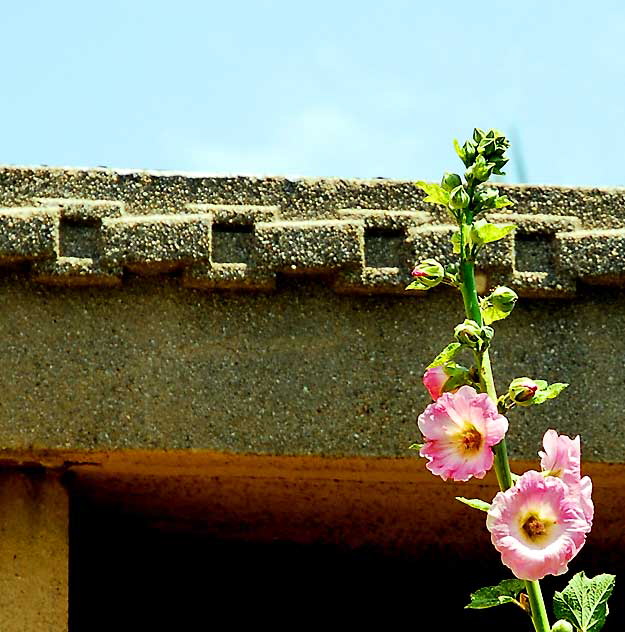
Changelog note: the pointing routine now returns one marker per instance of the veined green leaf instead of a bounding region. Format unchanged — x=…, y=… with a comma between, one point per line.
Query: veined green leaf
x=435, y=193
x=506, y=591
x=484, y=232
x=445, y=355
x=548, y=392
x=584, y=602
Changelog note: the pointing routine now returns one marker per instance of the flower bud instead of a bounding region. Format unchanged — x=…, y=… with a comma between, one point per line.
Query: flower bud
x=434, y=380
x=503, y=299
x=470, y=151
x=478, y=134
x=459, y=198
x=468, y=333
x=450, y=181
x=480, y=170
x=562, y=626
x=522, y=390
x=486, y=198
x=428, y=273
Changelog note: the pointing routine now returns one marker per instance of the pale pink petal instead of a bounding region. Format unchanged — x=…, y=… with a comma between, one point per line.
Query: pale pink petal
x=462, y=401
x=562, y=456
x=585, y=498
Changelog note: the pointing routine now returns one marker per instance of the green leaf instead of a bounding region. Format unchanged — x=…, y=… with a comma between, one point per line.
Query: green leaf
x=583, y=603
x=498, y=304
x=435, y=193
x=416, y=285
x=455, y=242
x=492, y=314
x=548, y=392
x=458, y=376
x=484, y=232
x=502, y=201
x=505, y=591
x=445, y=355
x=474, y=503
x=459, y=150
x=416, y=446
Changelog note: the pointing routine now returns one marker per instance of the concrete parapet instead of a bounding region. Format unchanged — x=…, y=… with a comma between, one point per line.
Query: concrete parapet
x=84, y=227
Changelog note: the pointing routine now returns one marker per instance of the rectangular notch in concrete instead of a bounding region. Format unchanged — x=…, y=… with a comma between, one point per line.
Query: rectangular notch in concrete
x=534, y=253
x=79, y=238
x=232, y=243
x=384, y=248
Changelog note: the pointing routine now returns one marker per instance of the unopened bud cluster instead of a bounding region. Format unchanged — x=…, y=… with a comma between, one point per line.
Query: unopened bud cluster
x=483, y=155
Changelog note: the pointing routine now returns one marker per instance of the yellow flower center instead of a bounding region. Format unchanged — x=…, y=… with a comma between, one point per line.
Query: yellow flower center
x=471, y=439
x=536, y=527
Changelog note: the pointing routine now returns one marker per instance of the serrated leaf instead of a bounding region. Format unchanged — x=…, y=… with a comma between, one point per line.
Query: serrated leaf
x=584, y=602
x=445, y=355
x=505, y=591
x=484, y=232
x=435, y=193
x=474, y=503
x=548, y=392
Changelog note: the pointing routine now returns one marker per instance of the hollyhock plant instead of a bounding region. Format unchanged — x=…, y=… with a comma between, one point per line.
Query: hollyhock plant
x=459, y=430
x=537, y=526
x=538, y=521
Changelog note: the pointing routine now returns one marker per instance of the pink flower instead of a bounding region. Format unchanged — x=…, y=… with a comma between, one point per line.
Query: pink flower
x=537, y=526
x=562, y=458
x=459, y=430
x=434, y=379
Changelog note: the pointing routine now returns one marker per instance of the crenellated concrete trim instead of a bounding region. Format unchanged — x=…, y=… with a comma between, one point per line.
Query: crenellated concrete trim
x=86, y=227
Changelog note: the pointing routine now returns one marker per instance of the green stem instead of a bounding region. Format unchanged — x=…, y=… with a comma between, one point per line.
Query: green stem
x=502, y=463
x=472, y=310
x=537, y=605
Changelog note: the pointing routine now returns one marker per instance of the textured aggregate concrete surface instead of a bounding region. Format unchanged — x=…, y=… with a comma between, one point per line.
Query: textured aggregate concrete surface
x=267, y=316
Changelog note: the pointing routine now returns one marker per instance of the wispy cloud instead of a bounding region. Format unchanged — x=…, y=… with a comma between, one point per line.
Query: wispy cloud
x=320, y=140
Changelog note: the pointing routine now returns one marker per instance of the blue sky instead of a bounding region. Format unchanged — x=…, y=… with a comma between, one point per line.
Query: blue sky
x=346, y=89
